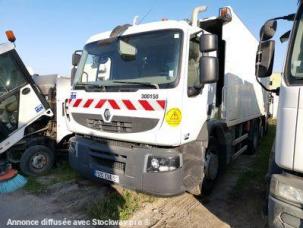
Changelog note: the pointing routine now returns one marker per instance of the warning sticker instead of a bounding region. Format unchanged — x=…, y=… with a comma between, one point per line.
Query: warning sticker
x=173, y=117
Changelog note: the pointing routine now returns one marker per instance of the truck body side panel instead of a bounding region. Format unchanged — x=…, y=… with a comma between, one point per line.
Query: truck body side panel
x=243, y=97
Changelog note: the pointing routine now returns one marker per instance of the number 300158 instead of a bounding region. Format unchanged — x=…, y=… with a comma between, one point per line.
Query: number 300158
x=149, y=96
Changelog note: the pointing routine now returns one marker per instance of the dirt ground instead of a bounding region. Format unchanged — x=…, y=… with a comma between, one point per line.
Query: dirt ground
x=220, y=209
x=223, y=208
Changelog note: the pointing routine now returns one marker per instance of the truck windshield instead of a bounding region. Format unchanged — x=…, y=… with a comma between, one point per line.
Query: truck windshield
x=295, y=63
x=147, y=60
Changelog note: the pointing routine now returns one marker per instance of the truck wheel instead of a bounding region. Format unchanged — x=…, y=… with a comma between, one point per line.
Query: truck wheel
x=37, y=160
x=253, y=140
x=211, y=169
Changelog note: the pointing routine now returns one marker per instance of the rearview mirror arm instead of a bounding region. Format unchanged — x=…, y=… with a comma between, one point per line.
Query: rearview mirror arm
x=276, y=91
x=289, y=17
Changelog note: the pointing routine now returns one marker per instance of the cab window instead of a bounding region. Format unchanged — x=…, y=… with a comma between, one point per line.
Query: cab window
x=193, y=63
x=11, y=76
x=8, y=116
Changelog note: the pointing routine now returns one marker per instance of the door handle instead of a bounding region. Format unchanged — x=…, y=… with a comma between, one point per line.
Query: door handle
x=26, y=91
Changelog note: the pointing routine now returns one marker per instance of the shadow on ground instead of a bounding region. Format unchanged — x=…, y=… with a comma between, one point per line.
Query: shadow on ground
x=238, y=198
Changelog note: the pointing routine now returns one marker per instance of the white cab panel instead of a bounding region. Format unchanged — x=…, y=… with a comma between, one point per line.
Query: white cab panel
x=63, y=87
x=30, y=106
x=286, y=128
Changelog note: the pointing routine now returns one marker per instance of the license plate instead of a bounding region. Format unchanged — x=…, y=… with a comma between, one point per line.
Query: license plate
x=107, y=176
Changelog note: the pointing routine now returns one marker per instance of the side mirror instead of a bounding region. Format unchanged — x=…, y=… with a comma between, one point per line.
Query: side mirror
x=208, y=42
x=285, y=37
x=265, y=58
x=209, y=69
x=75, y=62
x=209, y=66
x=76, y=58
x=268, y=30
x=72, y=75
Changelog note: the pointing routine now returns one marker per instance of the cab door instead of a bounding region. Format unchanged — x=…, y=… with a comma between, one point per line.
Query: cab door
x=20, y=100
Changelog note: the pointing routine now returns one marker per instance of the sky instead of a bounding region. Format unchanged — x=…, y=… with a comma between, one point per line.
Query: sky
x=49, y=31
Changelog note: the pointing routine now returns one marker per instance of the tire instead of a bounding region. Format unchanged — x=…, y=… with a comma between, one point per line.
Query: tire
x=253, y=140
x=37, y=160
x=211, y=175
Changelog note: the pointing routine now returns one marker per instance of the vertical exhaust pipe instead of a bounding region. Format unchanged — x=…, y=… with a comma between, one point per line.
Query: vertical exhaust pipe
x=196, y=12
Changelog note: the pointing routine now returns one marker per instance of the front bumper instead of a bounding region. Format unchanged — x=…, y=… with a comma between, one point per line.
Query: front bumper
x=128, y=162
x=282, y=212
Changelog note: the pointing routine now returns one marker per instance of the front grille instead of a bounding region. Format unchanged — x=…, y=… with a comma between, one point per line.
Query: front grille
x=113, y=126
x=108, y=160
x=110, y=165
x=118, y=124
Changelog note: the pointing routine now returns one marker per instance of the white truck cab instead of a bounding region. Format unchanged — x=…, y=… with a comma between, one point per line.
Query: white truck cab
x=286, y=187
x=162, y=107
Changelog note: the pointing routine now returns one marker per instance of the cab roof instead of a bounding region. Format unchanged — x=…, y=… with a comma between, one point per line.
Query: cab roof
x=153, y=26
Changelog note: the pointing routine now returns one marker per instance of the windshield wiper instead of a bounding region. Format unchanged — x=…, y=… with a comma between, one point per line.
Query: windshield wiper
x=95, y=86
x=88, y=86
x=138, y=83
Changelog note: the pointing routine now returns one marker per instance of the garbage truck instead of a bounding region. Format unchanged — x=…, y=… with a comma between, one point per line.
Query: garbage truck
x=32, y=125
x=285, y=199
x=163, y=107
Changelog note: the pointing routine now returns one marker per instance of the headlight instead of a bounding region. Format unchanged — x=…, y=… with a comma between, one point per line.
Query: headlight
x=286, y=191
x=162, y=164
x=290, y=193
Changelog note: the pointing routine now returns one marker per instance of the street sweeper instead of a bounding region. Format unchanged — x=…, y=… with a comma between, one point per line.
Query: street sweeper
x=285, y=200
x=32, y=126
x=163, y=107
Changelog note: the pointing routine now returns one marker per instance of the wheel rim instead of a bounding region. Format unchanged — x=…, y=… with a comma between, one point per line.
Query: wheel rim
x=39, y=161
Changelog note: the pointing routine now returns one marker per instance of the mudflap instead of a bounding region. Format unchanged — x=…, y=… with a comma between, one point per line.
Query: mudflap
x=193, y=166
x=193, y=161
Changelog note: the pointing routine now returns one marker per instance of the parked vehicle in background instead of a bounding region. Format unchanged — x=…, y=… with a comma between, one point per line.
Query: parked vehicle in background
x=32, y=125
x=162, y=107
x=285, y=203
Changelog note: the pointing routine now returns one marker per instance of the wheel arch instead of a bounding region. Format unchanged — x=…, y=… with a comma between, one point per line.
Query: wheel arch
x=194, y=152
x=40, y=140
x=220, y=133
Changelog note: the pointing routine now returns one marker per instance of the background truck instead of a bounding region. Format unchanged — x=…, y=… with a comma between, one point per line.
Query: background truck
x=285, y=203
x=32, y=125
x=162, y=107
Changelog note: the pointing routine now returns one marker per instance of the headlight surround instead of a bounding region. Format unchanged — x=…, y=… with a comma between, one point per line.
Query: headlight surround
x=162, y=164
x=286, y=191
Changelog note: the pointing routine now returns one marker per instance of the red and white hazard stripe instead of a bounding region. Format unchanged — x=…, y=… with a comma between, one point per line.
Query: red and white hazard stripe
x=125, y=104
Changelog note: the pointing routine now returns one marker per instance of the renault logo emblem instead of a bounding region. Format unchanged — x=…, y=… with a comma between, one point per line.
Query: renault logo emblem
x=107, y=115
